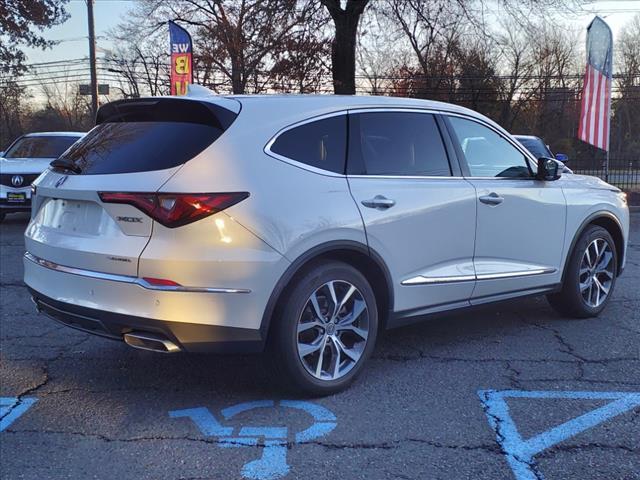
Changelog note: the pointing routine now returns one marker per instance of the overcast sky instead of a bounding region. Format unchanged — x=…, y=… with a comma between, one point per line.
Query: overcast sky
x=108, y=13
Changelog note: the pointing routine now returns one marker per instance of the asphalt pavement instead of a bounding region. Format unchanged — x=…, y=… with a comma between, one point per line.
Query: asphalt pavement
x=511, y=391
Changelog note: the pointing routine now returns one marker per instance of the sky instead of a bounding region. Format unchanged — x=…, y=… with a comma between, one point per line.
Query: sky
x=108, y=13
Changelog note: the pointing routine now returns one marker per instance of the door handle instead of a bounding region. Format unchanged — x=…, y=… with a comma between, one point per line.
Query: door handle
x=379, y=202
x=492, y=199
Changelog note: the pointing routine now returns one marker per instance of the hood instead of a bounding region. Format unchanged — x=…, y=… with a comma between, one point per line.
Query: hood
x=587, y=181
x=24, y=165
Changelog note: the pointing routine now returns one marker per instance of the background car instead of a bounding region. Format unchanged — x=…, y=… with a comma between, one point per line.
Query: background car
x=25, y=159
x=540, y=149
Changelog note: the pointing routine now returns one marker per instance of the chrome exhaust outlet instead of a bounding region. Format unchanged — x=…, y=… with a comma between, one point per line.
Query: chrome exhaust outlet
x=150, y=341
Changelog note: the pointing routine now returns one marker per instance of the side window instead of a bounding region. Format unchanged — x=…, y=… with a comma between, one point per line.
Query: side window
x=487, y=153
x=397, y=143
x=321, y=144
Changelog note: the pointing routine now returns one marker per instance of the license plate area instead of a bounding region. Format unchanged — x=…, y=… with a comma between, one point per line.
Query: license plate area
x=75, y=217
x=16, y=197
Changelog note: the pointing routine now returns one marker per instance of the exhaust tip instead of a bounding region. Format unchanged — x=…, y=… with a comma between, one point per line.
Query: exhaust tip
x=151, y=342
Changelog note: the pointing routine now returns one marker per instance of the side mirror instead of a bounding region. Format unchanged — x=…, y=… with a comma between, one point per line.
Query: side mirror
x=1, y=154
x=548, y=169
x=561, y=157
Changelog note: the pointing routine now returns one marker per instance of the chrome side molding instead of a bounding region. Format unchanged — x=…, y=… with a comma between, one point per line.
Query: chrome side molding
x=422, y=280
x=127, y=278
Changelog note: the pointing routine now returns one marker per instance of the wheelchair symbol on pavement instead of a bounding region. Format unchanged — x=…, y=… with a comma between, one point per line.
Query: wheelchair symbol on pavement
x=273, y=463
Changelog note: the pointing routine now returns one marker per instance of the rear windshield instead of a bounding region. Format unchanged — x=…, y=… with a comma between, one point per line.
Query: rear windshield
x=40, y=147
x=146, y=135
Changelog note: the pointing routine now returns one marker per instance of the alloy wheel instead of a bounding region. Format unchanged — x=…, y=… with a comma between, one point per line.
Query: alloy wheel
x=332, y=330
x=596, y=272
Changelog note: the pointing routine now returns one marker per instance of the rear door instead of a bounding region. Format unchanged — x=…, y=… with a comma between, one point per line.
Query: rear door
x=136, y=147
x=418, y=212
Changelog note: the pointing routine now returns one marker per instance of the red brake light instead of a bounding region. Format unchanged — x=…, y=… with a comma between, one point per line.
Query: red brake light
x=176, y=209
x=161, y=282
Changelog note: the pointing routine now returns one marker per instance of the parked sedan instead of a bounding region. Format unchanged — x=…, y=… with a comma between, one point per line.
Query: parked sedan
x=25, y=159
x=304, y=225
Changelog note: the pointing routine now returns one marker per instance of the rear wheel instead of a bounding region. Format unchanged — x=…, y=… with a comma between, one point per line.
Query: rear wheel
x=326, y=330
x=590, y=276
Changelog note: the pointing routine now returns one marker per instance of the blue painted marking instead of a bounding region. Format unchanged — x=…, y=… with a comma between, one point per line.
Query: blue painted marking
x=273, y=462
x=266, y=432
x=520, y=452
x=227, y=413
x=316, y=430
x=318, y=412
x=204, y=420
x=271, y=466
x=11, y=408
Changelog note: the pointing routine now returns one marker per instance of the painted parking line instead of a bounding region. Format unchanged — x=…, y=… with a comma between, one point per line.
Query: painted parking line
x=275, y=439
x=520, y=452
x=11, y=408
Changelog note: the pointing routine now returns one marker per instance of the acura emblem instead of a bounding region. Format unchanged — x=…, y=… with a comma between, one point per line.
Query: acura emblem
x=61, y=181
x=17, y=180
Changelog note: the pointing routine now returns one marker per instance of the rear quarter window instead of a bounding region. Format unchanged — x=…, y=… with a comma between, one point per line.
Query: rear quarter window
x=321, y=144
x=147, y=135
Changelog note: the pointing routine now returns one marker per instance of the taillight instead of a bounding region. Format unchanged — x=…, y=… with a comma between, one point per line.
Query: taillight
x=176, y=209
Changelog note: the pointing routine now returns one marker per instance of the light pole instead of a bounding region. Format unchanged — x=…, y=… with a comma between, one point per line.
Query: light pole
x=92, y=58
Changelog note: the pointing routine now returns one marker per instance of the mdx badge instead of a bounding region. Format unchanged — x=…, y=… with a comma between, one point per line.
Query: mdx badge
x=130, y=219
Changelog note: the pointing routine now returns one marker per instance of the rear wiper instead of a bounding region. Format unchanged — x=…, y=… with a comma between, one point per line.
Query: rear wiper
x=65, y=164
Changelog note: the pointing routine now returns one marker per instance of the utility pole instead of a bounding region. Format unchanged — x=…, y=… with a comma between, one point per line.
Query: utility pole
x=92, y=58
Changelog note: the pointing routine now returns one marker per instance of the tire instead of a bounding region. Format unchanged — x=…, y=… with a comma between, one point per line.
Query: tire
x=581, y=296
x=299, y=371
x=2, y=216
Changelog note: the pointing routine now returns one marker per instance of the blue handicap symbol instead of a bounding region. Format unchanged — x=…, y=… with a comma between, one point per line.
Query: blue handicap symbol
x=520, y=452
x=273, y=463
x=12, y=407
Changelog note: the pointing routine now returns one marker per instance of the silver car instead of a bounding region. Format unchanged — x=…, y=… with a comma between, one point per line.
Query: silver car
x=304, y=225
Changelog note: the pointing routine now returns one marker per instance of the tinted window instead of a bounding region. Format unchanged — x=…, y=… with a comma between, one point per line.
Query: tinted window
x=487, y=153
x=140, y=136
x=535, y=146
x=40, y=147
x=321, y=144
x=399, y=143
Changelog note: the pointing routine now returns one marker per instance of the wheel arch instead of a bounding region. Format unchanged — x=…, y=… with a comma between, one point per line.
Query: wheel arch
x=611, y=224
x=356, y=254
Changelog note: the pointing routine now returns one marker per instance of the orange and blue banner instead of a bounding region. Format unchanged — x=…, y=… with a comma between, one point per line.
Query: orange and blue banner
x=181, y=59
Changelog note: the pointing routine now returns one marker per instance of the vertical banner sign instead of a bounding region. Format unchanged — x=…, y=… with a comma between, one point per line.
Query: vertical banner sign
x=596, y=93
x=181, y=59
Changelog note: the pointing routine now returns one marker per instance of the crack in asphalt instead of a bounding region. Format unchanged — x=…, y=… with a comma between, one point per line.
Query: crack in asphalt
x=496, y=427
x=388, y=445
x=45, y=378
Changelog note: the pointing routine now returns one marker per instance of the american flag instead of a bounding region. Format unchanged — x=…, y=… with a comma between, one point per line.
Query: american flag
x=596, y=93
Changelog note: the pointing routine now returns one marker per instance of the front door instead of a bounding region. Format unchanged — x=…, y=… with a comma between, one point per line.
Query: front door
x=521, y=220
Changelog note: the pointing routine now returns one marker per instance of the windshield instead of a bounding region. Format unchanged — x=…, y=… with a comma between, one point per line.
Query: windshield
x=40, y=147
x=536, y=147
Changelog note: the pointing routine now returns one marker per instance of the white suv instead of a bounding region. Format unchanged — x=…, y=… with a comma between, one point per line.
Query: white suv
x=305, y=224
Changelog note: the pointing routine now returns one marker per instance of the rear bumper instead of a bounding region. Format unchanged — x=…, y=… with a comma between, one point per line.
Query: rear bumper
x=214, y=320
x=190, y=337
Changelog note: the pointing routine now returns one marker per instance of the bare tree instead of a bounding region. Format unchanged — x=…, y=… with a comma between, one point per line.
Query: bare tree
x=626, y=107
x=343, y=46
x=433, y=29
x=140, y=63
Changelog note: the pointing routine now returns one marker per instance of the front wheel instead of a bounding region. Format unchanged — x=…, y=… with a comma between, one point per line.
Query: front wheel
x=590, y=275
x=325, y=330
